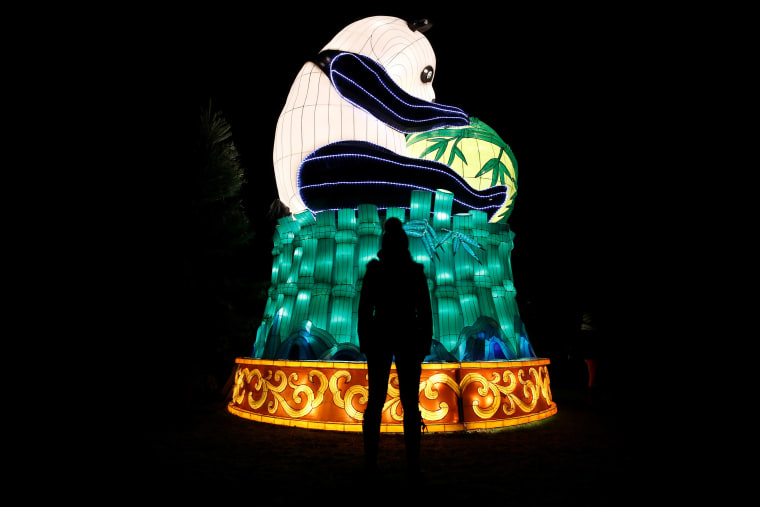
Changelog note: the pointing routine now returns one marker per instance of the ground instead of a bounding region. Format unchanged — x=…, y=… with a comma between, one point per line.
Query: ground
x=592, y=452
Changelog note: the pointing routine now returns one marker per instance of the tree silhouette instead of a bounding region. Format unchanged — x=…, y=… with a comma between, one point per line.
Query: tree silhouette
x=220, y=294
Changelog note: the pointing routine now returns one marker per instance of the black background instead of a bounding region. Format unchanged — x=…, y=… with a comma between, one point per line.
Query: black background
x=572, y=91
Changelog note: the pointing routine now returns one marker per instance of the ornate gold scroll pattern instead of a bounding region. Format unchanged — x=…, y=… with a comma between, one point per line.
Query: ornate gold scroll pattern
x=545, y=384
x=238, y=392
x=485, y=387
x=272, y=388
x=345, y=401
x=535, y=386
x=428, y=387
x=274, y=384
x=393, y=404
x=431, y=393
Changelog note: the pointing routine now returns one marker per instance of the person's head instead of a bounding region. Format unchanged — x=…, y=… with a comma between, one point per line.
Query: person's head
x=395, y=241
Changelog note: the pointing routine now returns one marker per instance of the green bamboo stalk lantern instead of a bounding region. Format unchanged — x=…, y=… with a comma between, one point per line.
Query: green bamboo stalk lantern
x=370, y=231
x=344, y=286
x=319, y=264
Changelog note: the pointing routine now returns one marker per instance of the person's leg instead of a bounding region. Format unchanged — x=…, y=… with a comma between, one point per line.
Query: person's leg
x=409, y=371
x=378, y=369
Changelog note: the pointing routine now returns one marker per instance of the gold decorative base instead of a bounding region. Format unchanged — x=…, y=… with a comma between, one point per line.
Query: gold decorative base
x=333, y=395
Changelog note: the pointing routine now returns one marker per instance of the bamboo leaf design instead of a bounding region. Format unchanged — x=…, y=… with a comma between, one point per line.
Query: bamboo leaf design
x=503, y=168
x=476, y=130
x=457, y=241
x=423, y=230
x=487, y=167
x=439, y=147
x=498, y=170
x=415, y=228
x=456, y=152
x=464, y=241
x=429, y=247
x=445, y=239
x=469, y=250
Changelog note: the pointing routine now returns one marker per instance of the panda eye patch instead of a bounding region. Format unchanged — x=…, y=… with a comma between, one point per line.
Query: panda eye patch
x=427, y=74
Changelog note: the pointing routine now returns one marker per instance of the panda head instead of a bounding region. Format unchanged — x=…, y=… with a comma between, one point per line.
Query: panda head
x=400, y=47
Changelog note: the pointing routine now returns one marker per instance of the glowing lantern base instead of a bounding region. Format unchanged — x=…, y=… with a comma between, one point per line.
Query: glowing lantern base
x=306, y=368
x=333, y=395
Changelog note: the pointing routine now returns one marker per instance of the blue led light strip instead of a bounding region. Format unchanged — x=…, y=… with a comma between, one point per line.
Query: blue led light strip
x=384, y=176
x=365, y=84
x=396, y=184
x=384, y=80
x=497, y=190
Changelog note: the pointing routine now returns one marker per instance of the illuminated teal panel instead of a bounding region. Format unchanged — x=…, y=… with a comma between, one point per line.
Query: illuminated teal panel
x=463, y=262
x=464, y=266
x=479, y=224
x=305, y=220
x=369, y=245
x=276, y=251
x=369, y=230
x=506, y=317
x=320, y=304
x=420, y=205
x=319, y=264
x=347, y=219
x=295, y=265
x=308, y=260
x=344, y=263
x=325, y=227
x=485, y=302
x=442, y=209
x=284, y=263
x=345, y=239
x=449, y=318
x=369, y=222
x=479, y=231
x=274, y=299
x=444, y=266
x=481, y=274
x=493, y=263
x=399, y=213
x=419, y=210
x=285, y=314
x=505, y=254
x=324, y=261
x=468, y=302
x=340, y=319
x=286, y=229
x=301, y=310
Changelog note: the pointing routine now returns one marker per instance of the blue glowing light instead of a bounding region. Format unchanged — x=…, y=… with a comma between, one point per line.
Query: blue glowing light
x=350, y=164
x=418, y=115
x=497, y=191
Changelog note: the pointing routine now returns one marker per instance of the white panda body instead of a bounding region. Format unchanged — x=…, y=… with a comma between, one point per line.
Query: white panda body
x=315, y=114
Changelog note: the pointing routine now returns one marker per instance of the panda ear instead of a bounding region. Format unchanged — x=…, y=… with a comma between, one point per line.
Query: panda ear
x=420, y=25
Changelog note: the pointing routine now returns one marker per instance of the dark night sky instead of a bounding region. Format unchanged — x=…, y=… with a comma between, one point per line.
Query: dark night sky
x=566, y=91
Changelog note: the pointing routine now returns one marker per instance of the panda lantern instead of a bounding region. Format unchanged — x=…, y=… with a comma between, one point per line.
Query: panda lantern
x=360, y=125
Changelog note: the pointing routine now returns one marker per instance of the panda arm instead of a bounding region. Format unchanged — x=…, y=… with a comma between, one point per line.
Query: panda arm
x=364, y=83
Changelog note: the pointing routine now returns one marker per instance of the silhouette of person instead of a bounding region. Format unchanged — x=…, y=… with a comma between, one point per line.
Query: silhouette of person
x=395, y=322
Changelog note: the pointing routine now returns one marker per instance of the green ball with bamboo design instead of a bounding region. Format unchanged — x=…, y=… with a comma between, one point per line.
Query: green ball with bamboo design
x=476, y=153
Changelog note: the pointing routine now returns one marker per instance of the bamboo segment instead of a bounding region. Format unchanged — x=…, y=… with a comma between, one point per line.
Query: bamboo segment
x=319, y=264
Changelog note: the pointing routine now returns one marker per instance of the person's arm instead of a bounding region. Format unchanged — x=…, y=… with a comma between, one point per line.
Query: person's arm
x=366, y=311
x=424, y=313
